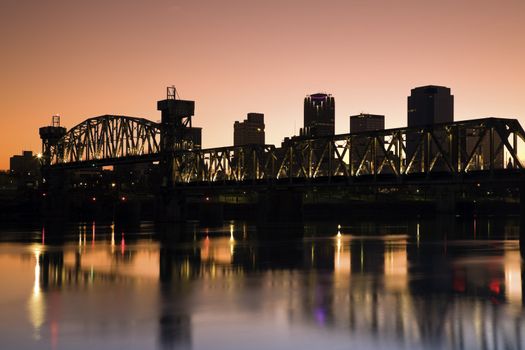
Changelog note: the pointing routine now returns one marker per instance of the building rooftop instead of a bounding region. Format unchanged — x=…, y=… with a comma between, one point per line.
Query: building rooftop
x=430, y=88
x=319, y=96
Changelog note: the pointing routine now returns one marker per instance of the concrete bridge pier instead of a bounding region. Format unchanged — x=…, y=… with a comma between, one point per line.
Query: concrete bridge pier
x=211, y=213
x=280, y=213
x=446, y=201
x=280, y=206
x=55, y=206
x=171, y=207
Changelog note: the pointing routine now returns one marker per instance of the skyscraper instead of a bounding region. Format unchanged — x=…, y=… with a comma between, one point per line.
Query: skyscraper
x=361, y=143
x=366, y=122
x=319, y=115
x=249, y=131
x=429, y=105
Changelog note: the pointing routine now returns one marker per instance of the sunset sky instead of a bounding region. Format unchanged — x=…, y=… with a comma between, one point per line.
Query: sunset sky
x=86, y=58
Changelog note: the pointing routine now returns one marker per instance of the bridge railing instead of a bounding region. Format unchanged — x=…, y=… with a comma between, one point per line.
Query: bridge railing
x=455, y=148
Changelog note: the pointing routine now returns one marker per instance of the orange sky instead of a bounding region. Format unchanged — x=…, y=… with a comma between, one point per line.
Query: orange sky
x=86, y=58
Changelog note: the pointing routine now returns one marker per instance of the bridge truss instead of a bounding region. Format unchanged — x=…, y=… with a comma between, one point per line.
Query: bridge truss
x=485, y=145
x=481, y=145
x=105, y=139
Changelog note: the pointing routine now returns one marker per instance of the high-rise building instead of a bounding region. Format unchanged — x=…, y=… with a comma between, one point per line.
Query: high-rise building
x=362, y=149
x=249, y=131
x=429, y=105
x=319, y=115
x=366, y=122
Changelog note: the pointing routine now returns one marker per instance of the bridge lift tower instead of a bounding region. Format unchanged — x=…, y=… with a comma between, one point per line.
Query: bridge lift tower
x=50, y=136
x=52, y=180
x=177, y=132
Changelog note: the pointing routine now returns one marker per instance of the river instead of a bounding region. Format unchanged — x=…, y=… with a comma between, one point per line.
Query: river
x=404, y=285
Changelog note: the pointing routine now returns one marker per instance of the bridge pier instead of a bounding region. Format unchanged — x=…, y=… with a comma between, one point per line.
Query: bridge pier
x=211, y=213
x=280, y=214
x=280, y=206
x=172, y=207
x=446, y=201
x=55, y=207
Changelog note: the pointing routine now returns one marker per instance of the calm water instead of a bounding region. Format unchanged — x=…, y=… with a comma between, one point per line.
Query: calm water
x=406, y=286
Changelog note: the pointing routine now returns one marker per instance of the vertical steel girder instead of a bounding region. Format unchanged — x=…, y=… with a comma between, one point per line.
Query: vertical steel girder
x=455, y=148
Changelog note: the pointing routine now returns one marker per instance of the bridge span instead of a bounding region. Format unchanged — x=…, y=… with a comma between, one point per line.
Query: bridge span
x=482, y=147
x=440, y=163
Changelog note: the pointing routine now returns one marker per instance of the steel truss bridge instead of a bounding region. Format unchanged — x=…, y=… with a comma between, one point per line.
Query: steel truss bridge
x=454, y=150
x=106, y=140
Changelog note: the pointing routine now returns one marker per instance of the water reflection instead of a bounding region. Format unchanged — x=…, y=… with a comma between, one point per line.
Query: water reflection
x=513, y=282
x=36, y=304
x=392, y=289
x=342, y=260
x=396, y=264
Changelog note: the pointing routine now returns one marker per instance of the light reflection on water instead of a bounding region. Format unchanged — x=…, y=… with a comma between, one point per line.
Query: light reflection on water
x=35, y=304
x=341, y=287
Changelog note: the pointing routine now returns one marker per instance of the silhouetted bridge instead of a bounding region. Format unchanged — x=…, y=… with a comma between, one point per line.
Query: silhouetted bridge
x=477, y=150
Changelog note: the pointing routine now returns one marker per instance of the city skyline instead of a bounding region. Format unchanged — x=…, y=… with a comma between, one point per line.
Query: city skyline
x=113, y=59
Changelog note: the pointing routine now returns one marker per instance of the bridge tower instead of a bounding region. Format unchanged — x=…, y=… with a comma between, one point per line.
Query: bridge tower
x=54, y=207
x=177, y=134
x=50, y=135
x=176, y=119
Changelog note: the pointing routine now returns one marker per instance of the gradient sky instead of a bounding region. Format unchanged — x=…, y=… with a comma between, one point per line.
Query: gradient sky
x=86, y=58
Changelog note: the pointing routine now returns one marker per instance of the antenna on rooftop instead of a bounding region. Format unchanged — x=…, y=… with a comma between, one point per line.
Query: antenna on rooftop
x=172, y=93
x=56, y=120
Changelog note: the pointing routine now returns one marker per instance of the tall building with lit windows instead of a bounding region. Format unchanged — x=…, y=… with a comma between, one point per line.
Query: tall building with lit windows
x=319, y=115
